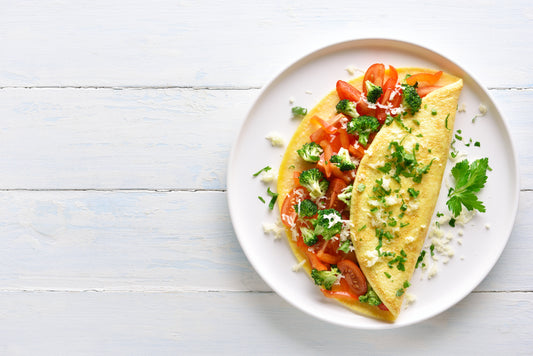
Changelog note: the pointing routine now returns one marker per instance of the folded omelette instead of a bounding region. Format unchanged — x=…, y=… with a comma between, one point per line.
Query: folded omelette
x=359, y=182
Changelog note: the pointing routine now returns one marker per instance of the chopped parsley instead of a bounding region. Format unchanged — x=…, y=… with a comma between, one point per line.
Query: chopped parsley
x=421, y=258
x=345, y=246
x=261, y=198
x=433, y=112
x=446, y=122
x=265, y=169
x=413, y=192
x=431, y=249
x=273, y=200
x=470, y=178
x=361, y=187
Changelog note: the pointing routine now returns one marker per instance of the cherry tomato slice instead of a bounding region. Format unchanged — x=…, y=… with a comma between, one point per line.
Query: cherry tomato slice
x=288, y=214
x=423, y=91
x=375, y=74
x=353, y=275
x=424, y=78
x=346, y=91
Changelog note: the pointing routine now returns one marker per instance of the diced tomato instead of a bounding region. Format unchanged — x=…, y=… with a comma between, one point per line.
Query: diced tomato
x=392, y=79
x=423, y=91
x=336, y=186
x=328, y=251
x=375, y=74
x=353, y=275
x=315, y=261
x=358, y=152
x=288, y=214
x=346, y=91
x=424, y=79
x=328, y=128
x=344, y=138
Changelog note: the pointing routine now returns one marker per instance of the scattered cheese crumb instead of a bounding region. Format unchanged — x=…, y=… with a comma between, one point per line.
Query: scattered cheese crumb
x=275, y=229
x=460, y=232
x=308, y=92
x=291, y=100
x=371, y=258
x=409, y=299
x=352, y=70
x=433, y=271
x=409, y=239
x=275, y=139
x=487, y=226
x=298, y=266
x=482, y=109
x=461, y=108
x=268, y=177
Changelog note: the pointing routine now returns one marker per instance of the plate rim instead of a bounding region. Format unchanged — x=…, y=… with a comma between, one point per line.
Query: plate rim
x=341, y=45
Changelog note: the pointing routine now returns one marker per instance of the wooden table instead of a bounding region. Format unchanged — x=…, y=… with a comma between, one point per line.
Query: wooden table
x=116, y=122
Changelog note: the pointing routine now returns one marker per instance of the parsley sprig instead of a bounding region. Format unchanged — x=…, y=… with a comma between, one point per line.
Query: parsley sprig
x=469, y=180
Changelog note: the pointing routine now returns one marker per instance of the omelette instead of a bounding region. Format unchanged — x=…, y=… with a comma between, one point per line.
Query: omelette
x=360, y=179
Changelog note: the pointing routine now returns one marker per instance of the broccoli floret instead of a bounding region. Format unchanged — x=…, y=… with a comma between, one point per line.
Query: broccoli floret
x=306, y=208
x=347, y=107
x=309, y=236
x=363, y=126
x=370, y=297
x=310, y=152
x=325, y=278
x=411, y=100
x=346, y=195
x=315, y=182
x=373, y=91
x=343, y=160
x=328, y=223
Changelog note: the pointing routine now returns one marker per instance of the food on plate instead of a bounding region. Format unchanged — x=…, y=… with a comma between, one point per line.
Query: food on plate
x=360, y=179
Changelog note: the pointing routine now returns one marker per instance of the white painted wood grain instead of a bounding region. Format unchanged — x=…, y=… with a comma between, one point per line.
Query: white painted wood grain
x=160, y=241
x=155, y=138
x=191, y=323
x=105, y=138
x=214, y=43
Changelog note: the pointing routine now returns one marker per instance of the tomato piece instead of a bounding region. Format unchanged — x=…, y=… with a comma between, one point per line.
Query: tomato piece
x=423, y=91
x=336, y=186
x=342, y=295
x=424, y=78
x=296, y=177
x=375, y=74
x=326, y=126
x=344, y=138
x=346, y=91
x=358, y=152
x=383, y=307
x=288, y=214
x=353, y=275
x=315, y=261
x=390, y=83
x=363, y=109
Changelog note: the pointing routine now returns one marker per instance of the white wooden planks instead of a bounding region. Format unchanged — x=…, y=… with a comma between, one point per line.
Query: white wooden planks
x=243, y=324
x=236, y=44
x=111, y=138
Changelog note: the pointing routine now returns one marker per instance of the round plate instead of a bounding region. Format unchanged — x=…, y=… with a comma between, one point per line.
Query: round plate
x=307, y=81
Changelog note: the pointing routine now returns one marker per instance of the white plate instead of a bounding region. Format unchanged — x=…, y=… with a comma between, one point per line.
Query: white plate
x=307, y=81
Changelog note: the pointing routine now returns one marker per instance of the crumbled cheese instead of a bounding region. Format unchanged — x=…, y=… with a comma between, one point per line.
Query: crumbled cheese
x=291, y=100
x=386, y=183
x=345, y=232
x=371, y=258
x=275, y=229
x=268, y=177
x=409, y=299
x=409, y=239
x=433, y=271
x=482, y=109
x=461, y=108
x=460, y=232
x=275, y=139
x=333, y=219
x=308, y=92
x=487, y=226
x=391, y=200
x=298, y=266
x=369, y=152
x=352, y=70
